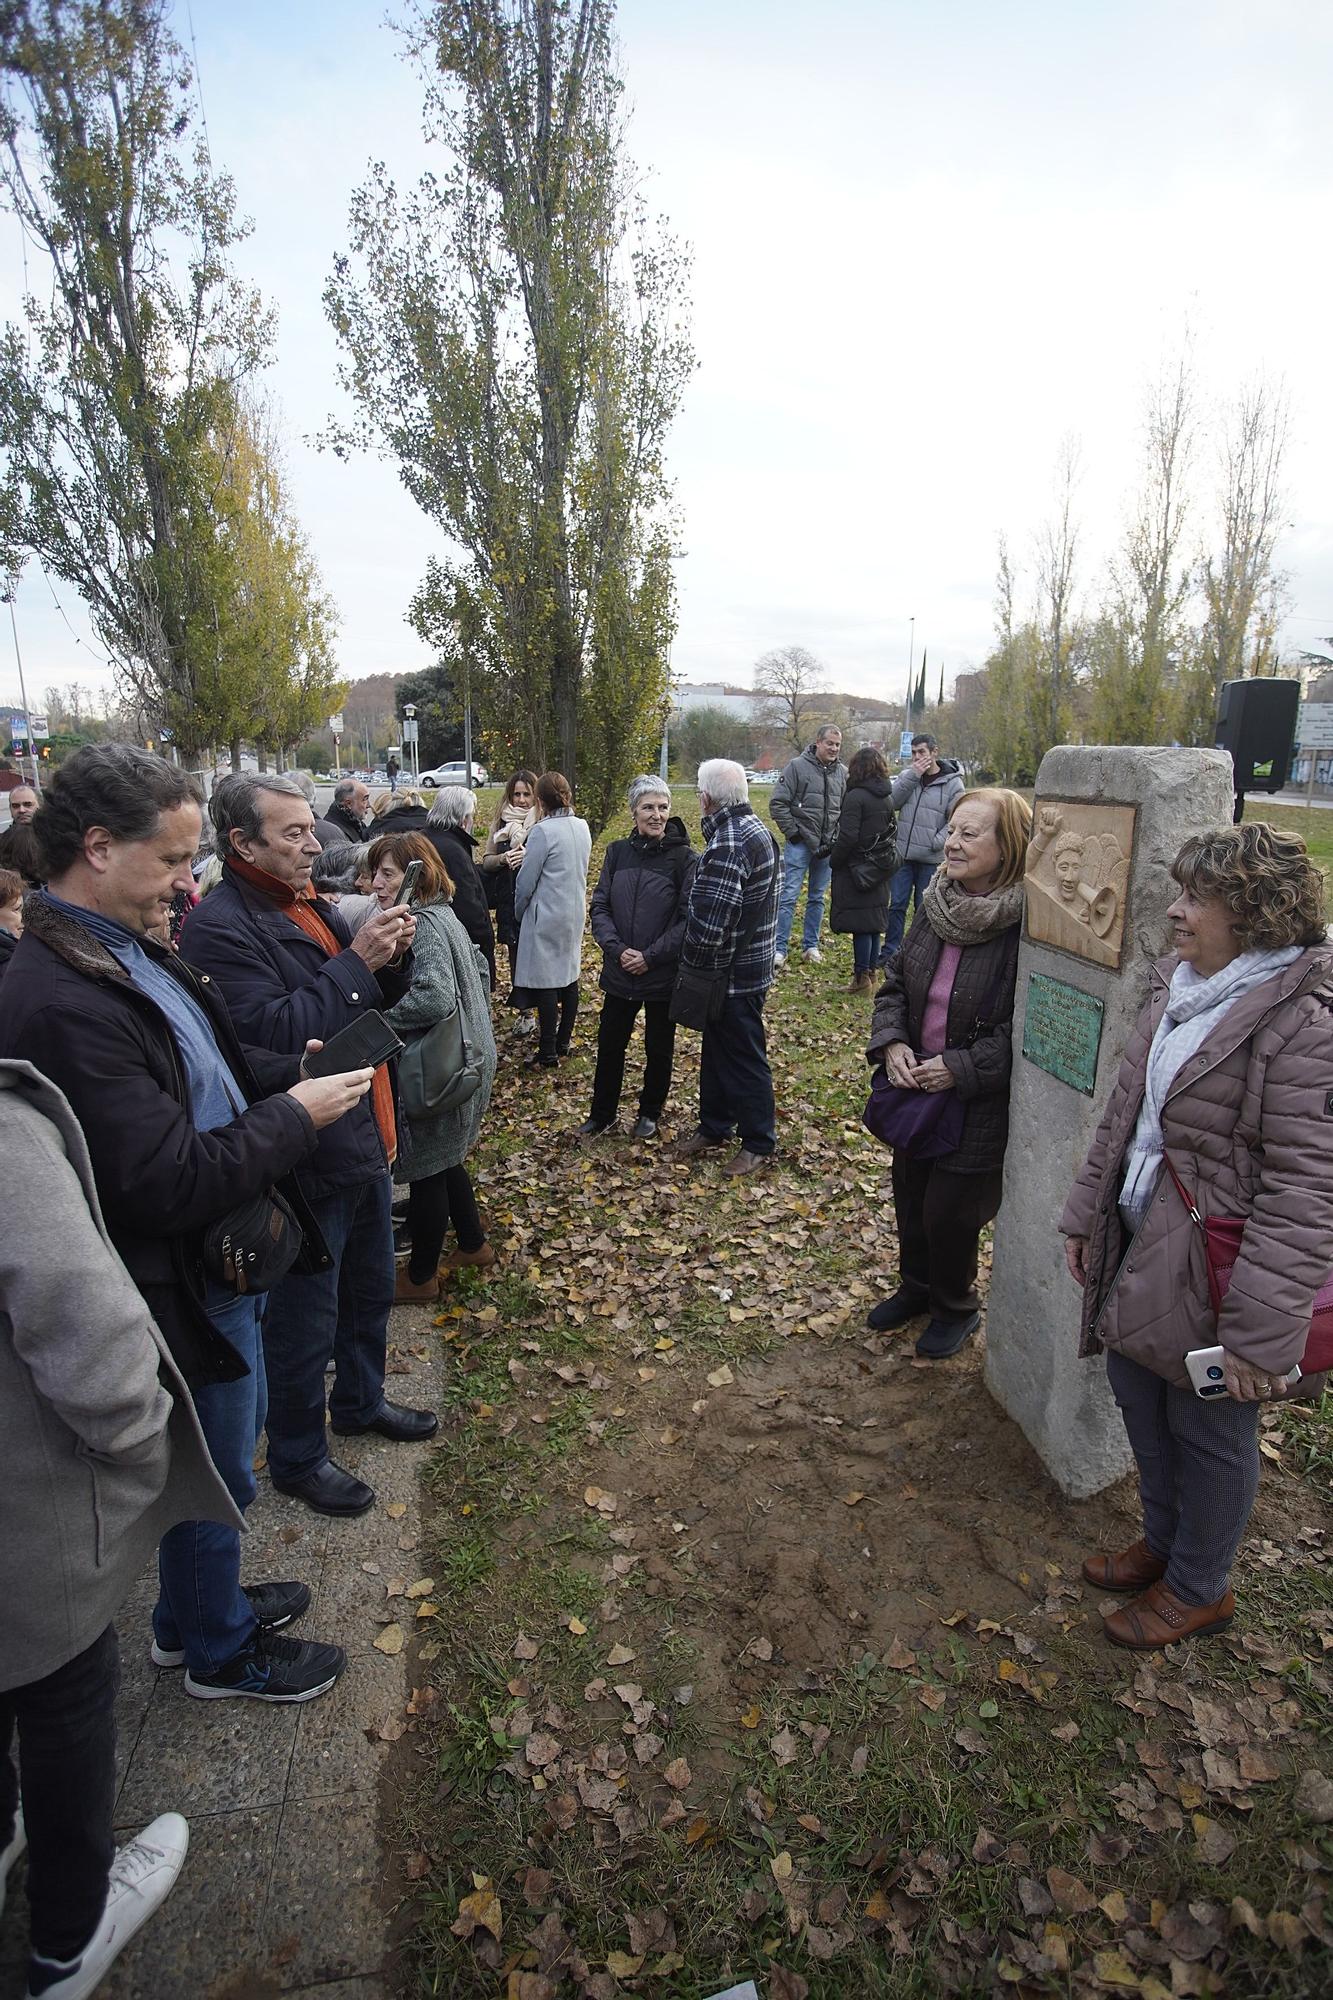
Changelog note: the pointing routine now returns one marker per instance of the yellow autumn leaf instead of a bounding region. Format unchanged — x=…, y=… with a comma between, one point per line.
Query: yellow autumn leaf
x=390, y=1640
x=422, y=1587
x=577, y=1627
x=780, y=1866
x=624, y=1964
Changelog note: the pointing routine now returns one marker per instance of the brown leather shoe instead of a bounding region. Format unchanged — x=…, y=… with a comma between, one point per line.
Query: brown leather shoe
x=1158, y=1618
x=406, y=1293
x=746, y=1162
x=479, y=1259
x=697, y=1142
x=1130, y=1569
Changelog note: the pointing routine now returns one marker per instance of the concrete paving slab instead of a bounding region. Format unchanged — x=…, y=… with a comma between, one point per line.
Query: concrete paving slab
x=326, y=1917
x=207, y=1756
x=212, y=1924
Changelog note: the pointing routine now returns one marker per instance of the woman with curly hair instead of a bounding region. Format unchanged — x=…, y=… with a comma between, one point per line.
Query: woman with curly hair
x=1227, y=1088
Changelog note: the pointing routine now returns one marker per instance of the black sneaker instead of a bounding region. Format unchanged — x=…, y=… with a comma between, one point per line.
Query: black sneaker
x=896, y=1311
x=592, y=1127
x=272, y=1669
x=275, y=1605
x=945, y=1336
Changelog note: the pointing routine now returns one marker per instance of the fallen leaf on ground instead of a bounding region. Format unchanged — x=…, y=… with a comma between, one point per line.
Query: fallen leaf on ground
x=721, y=1378
x=932, y=1698
x=390, y=1640
x=525, y=1648
x=854, y=1498
x=1313, y=1797
x=620, y=1656
x=1071, y=1895
x=417, y=1867
x=780, y=1867
x=623, y=1964
x=577, y=1627
x=783, y=1747
x=900, y=1656
x=541, y=1750
x=421, y=1588
x=479, y=1911
x=396, y=1509
x=677, y=1774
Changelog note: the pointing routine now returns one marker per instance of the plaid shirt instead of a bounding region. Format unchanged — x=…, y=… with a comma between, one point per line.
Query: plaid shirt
x=736, y=872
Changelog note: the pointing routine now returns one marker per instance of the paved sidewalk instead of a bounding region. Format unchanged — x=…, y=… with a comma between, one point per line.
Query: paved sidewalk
x=285, y=1888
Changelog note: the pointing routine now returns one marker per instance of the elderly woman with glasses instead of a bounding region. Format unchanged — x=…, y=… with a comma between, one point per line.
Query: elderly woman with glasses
x=449, y=830
x=638, y=918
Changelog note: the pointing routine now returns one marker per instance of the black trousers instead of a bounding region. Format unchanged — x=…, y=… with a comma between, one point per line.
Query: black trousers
x=735, y=1081
x=432, y=1204
x=614, y=1028
x=557, y=1011
x=67, y=1752
x=941, y=1215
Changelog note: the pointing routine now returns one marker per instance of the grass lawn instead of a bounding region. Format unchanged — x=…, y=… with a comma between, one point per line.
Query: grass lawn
x=755, y=1649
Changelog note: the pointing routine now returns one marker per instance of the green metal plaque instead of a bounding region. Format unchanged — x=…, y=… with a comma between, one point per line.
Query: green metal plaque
x=1062, y=1031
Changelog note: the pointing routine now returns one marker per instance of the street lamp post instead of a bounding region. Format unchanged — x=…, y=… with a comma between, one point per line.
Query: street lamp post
x=911, y=655
x=23, y=697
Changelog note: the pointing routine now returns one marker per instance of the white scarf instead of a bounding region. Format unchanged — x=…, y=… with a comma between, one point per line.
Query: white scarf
x=1194, y=1007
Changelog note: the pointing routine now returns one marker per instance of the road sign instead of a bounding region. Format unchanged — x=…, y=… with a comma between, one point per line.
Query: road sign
x=1314, y=725
x=18, y=729
x=40, y=729
x=409, y=731
x=905, y=744
x=336, y=723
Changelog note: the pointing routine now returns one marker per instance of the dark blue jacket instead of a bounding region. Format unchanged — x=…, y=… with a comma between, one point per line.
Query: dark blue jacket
x=639, y=905
x=69, y=1007
x=282, y=991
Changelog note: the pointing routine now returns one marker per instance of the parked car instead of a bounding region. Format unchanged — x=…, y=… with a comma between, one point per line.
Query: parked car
x=455, y=774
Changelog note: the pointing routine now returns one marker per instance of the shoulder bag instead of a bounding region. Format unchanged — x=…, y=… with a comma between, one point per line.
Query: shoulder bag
x=876, y=863
x=925, y=1124
x=1221, y=1242
x=254, y=1244
x=439, y=1070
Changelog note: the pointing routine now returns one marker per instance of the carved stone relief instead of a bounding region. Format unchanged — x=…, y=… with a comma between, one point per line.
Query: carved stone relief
x=1077, y=876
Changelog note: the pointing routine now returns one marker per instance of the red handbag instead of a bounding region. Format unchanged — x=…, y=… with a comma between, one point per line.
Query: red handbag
x=1221, y=1240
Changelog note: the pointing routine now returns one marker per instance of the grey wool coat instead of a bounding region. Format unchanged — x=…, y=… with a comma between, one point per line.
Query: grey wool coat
x=551, y=901
x=101, y=1448
x=448, y=971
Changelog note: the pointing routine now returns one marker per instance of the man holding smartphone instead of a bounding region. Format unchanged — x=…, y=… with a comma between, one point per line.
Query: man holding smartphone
x=290, y=971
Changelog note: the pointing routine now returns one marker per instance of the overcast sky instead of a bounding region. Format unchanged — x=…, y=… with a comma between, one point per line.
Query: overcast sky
x=929, y=242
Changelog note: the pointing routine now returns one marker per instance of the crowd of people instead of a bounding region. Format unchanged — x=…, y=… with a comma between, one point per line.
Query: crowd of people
x=222, y=1197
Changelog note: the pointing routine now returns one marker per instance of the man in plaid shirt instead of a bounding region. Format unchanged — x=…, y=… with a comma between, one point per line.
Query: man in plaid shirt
x=731, y=922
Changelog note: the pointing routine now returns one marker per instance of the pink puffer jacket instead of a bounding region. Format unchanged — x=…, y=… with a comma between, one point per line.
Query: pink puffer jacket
x=1248, y=1123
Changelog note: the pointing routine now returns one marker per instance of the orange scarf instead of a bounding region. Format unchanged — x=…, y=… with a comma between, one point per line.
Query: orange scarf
x=303, y=913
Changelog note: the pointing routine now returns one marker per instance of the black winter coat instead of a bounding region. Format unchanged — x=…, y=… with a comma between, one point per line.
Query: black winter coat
x=639, y=905
x=282, y=990
x=867, y=815
x=400, y=819
x=7, y=948
x=350, y=827
x=979, y=1034
x=68, y=1007
x=455, y=845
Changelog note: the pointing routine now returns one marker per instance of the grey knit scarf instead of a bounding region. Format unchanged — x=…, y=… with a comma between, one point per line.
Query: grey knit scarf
x=960, y=918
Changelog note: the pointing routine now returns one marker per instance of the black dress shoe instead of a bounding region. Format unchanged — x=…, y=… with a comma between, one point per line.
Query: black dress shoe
x=591, y=1127
x=643, y=1128
x=393, y=1421
x=330, y=1490
x=540, y=1061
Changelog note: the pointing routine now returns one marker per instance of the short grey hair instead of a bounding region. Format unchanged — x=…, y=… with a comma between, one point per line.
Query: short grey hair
x=453, y=806
x=647, y=787
x=828, y=729
x=307, y=785
x=343, y=790
x=334, y=868
x=724, y=782
x=234, y=806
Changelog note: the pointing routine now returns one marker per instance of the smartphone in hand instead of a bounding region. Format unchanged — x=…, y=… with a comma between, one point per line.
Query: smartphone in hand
x=362, y=1044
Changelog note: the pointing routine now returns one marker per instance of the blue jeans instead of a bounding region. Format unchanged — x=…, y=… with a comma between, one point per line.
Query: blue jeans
x=865, y=948
x=735, y=1082
x=796, y=861
x=912, y=876
x=202, y=1607
x=341, y=1313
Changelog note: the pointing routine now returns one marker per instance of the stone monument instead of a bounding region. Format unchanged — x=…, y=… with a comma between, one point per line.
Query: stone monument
x=1107, y=823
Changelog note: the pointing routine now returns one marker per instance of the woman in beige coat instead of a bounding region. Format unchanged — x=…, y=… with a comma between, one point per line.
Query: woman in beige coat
x=1228, y=1075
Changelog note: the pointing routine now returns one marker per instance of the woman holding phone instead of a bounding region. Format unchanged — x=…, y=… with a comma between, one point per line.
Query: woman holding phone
x=1227, y=1081
x=448, y=973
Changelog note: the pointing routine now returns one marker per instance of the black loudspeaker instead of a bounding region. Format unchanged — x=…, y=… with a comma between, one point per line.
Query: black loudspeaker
x=1256, y=722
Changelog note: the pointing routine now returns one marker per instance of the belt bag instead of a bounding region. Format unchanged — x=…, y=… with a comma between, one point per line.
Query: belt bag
x=1221, y=1241
x=439, y=1070
x=253, y=1245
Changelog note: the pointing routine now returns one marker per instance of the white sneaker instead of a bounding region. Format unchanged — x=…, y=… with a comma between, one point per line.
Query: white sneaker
x=814, y=956
x=143, y=1875
x=779, y=960
x=18, y=1840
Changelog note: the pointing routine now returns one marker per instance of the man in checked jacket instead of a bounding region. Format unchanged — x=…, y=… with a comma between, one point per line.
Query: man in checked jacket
x=731, y=922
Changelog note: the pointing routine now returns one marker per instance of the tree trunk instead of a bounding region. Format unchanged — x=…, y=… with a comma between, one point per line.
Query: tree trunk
x=235, y=753
x=261, y=756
